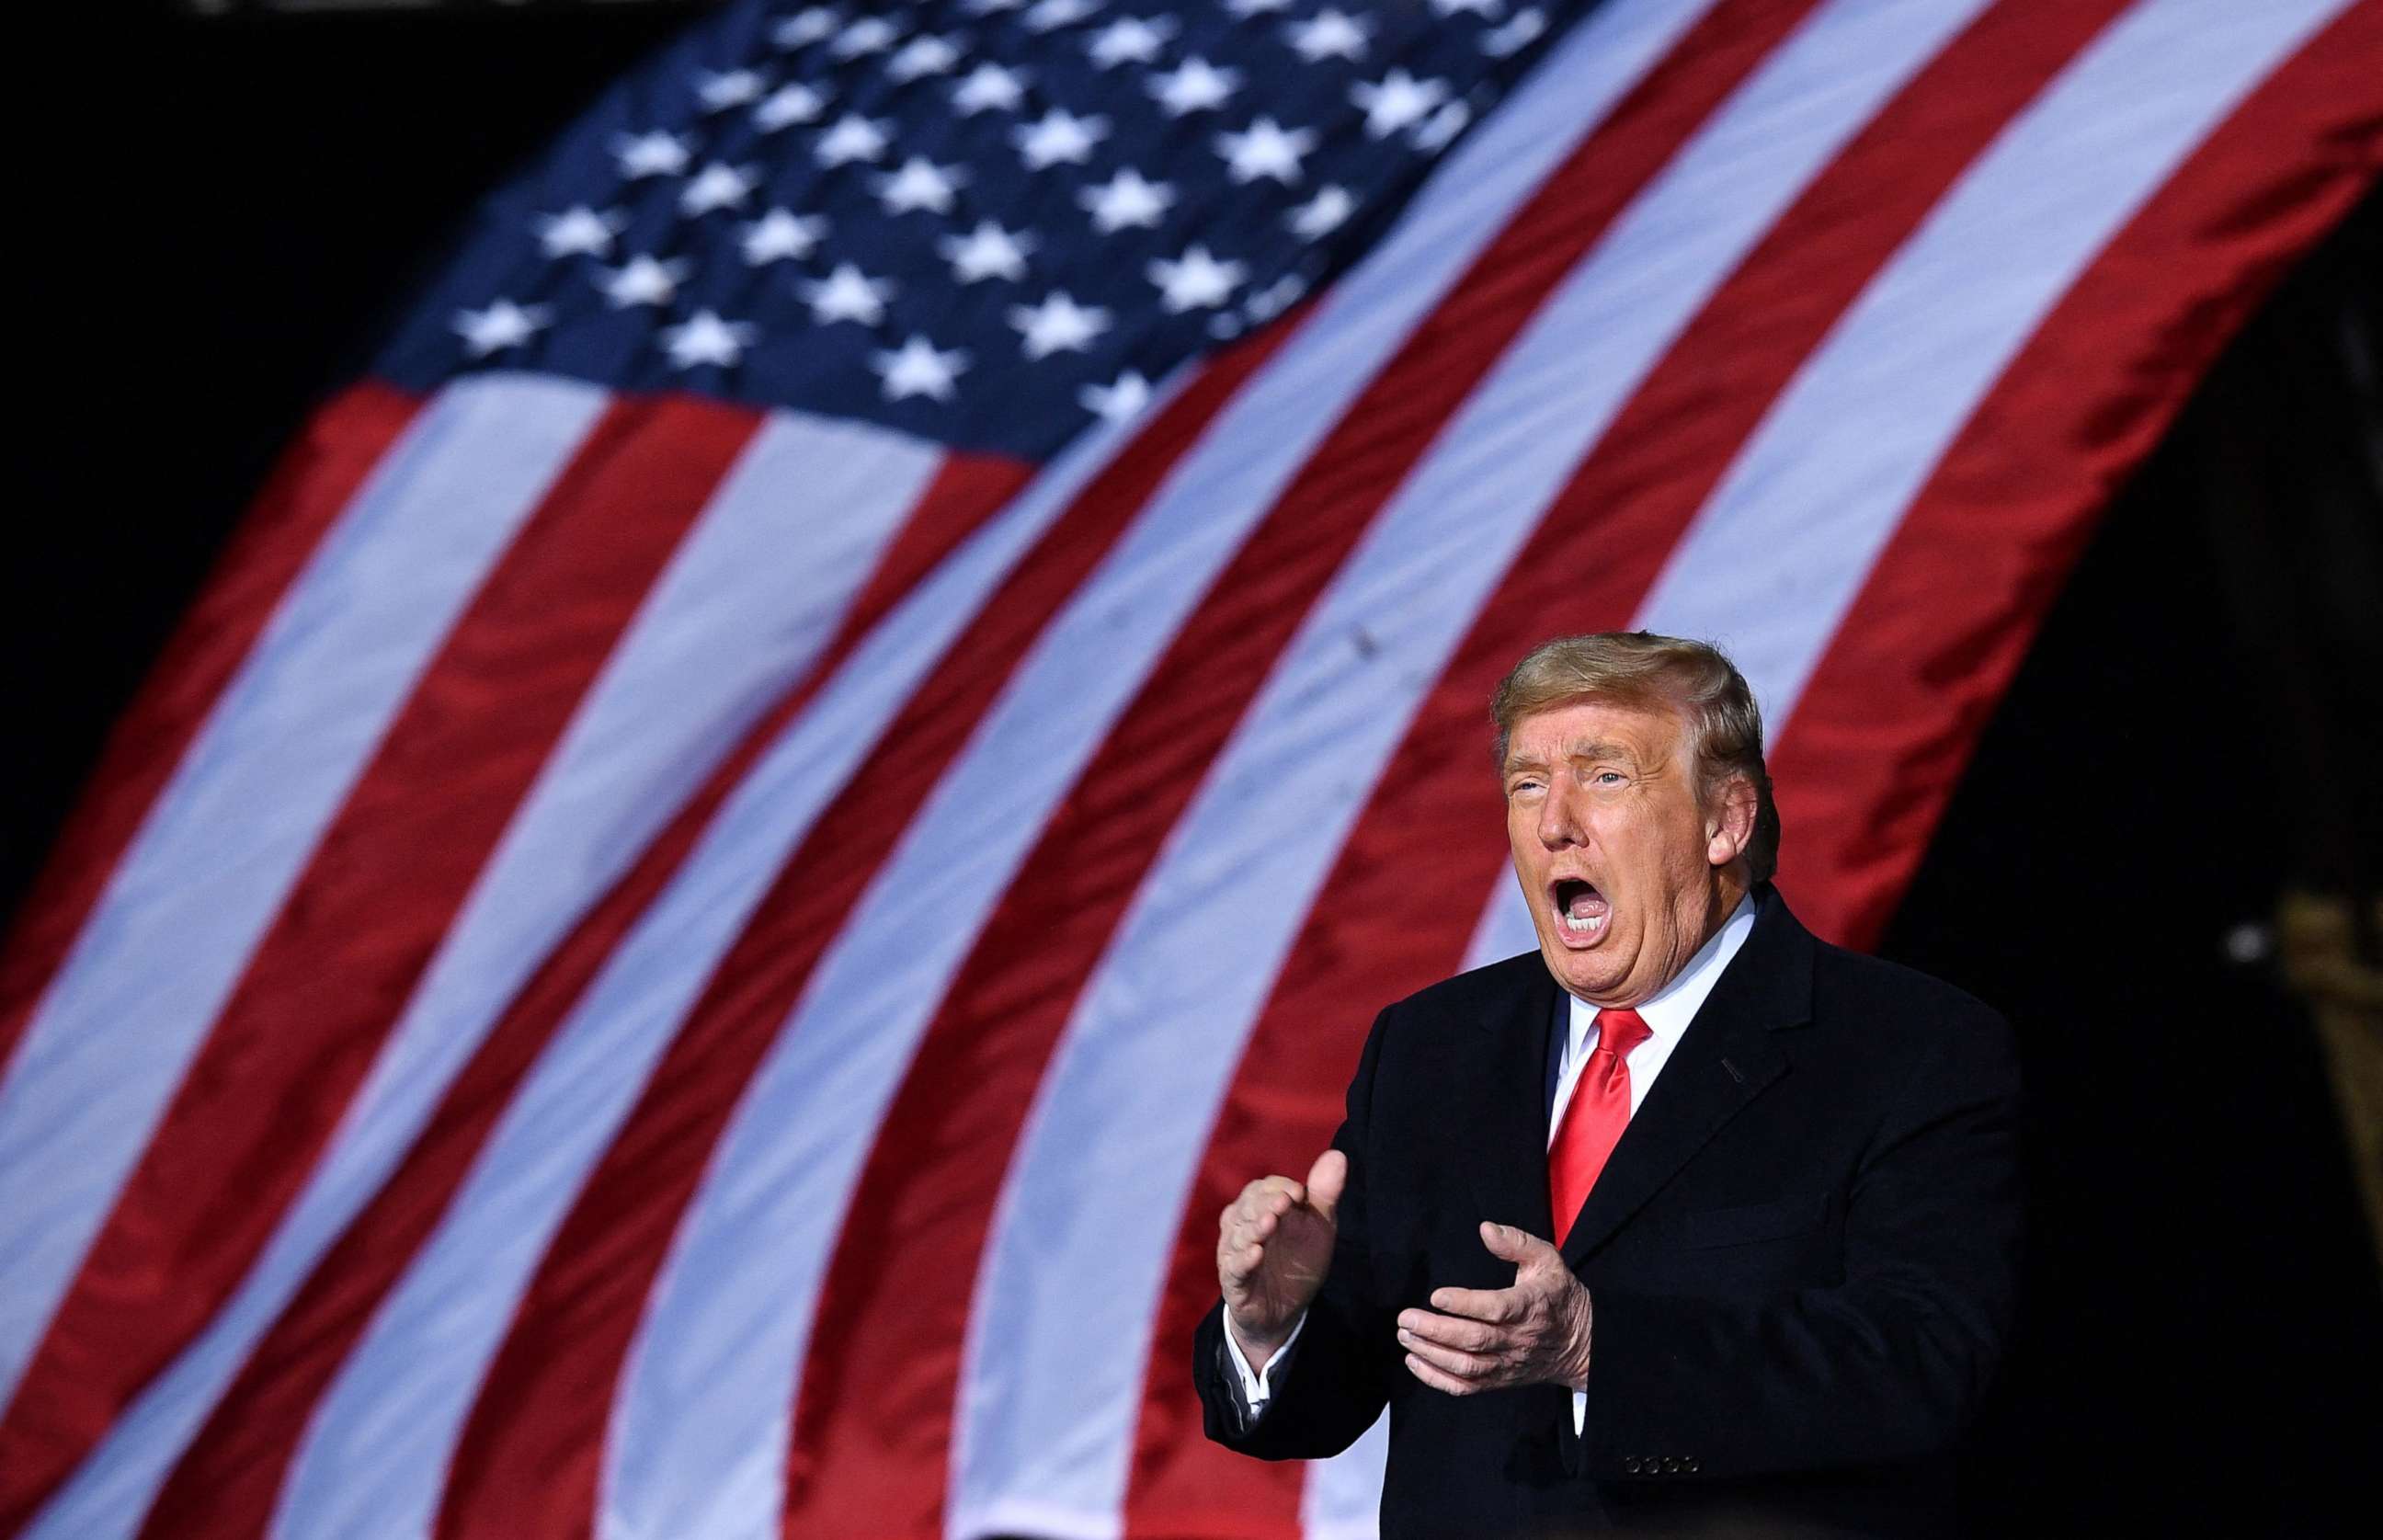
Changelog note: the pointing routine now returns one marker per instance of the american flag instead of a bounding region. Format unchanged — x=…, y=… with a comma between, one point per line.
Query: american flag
x=843, y=736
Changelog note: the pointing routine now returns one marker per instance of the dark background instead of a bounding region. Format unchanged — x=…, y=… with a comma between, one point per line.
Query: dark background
x=229, y=209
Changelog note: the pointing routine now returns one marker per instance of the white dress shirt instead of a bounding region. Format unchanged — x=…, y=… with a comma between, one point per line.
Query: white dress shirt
x=1667, y=1013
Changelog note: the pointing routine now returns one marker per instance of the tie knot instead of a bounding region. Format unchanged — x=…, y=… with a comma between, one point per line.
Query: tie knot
x=1620, y=1031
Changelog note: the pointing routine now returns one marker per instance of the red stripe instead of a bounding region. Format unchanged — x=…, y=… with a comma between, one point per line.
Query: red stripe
x=1403, y=910
x=318, y=477
x=968, y=490
x=873, y=1414
x=529, y=1459
x=330, y=978
x=230, y=1477
x=1864, y=766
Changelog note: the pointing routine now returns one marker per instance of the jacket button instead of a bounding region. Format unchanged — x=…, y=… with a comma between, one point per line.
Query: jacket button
x=1689, y=1464
x=1630, y=1463
x=1671, y=1464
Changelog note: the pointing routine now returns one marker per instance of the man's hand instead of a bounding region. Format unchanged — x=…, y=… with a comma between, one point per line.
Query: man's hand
x=1274, y=1243
x=1536, y=1333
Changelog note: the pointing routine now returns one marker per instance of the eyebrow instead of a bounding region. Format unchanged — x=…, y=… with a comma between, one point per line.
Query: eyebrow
x=1580, y=748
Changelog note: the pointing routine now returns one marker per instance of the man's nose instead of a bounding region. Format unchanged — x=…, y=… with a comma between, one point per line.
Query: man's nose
x=1559, y=826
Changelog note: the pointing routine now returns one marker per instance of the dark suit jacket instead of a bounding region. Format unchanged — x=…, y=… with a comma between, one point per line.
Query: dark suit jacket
x=1800, y=1257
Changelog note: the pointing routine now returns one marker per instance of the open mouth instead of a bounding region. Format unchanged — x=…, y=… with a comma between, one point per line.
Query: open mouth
x=1580, y=910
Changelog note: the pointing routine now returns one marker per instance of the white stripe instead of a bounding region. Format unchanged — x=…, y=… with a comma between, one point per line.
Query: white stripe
x=1343, y=1500
x=372, y=1462
x=1777, y=557
x=1075, y=1270
x=755, y=590
x=235, y=826
x=700, y=1439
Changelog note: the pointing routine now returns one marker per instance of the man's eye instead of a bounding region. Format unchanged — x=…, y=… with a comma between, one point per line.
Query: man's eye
x=1607, y=778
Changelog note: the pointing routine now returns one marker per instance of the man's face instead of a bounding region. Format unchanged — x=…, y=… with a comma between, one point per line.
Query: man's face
x=1625, y=873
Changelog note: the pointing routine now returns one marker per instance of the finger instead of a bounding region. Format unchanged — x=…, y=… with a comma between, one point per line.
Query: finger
x=1497, y=1306
x=1516, y=1246
x=1257, y=1194
x=1454, y=1376
x=1472, y=1337
x=1325, y=1180
x=1438, y=1379
x=1476, y=1367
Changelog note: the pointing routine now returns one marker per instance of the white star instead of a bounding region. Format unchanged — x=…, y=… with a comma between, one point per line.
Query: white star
x=1193, y=86
x=779, y=234
x=806, y=26
x=1515, y=35
x=1445, y=125
x=731, y=88
x=1328, y=35
x=851, y=137
x=922, y=56
x=987, y=252
x=1248, y=8
x=643, y=282
x=1130, y=40
x=654, y=154
x=1275, y=298
x=917, y=369
x=1323, y=214
x=704, y=338
x=579, y=231
x=718, y=186
x=847, y=294
x=502, y=325
x=919, y=184
x=1125, y=200
x=1049, y=16
x=1059, y=135
x=1117, y=402
x=789, y=104
x=989, y=85
x=1057, y=324
x=1266, y=149
x=1195, y=280
x=871, y=34
x=1396, y=101
x=1485, y=9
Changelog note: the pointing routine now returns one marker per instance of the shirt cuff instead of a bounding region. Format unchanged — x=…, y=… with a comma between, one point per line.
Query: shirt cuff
x=1257, y=1385
x=1579, y=1412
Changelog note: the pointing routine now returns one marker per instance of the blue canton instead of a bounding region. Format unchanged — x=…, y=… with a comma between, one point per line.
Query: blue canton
x=982, y=222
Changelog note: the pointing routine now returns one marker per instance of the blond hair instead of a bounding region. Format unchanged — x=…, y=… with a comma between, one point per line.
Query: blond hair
x=1638, y=667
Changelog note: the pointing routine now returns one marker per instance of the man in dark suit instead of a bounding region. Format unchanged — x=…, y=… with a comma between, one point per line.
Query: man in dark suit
x=1689, y=1222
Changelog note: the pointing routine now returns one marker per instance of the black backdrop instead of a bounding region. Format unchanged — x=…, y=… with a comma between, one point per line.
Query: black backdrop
x=233, y=208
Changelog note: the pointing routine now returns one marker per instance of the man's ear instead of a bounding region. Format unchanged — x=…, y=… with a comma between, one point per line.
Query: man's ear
x=1729, y=826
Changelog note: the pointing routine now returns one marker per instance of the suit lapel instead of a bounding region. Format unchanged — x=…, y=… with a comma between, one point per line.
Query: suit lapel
x=1725, y=1060
x=1510, y=1164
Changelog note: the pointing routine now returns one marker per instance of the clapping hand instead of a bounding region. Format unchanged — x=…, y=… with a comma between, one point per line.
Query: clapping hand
x=1274, y=1244
x=1535, y=1333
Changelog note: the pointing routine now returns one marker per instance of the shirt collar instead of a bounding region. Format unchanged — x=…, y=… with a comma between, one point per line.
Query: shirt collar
x=1669, y=1010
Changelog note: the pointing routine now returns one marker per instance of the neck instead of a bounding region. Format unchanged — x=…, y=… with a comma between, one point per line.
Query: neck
x=1730, y=887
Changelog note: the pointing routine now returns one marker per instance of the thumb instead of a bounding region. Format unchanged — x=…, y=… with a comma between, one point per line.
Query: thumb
x=1324, y=1180
x=1509, y=1244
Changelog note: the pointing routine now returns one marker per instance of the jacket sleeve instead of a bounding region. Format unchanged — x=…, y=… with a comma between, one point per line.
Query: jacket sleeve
x=1334, y=1385
x=1887, y=1366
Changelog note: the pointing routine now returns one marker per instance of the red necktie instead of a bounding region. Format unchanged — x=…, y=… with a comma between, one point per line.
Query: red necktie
x=1594, y=1118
